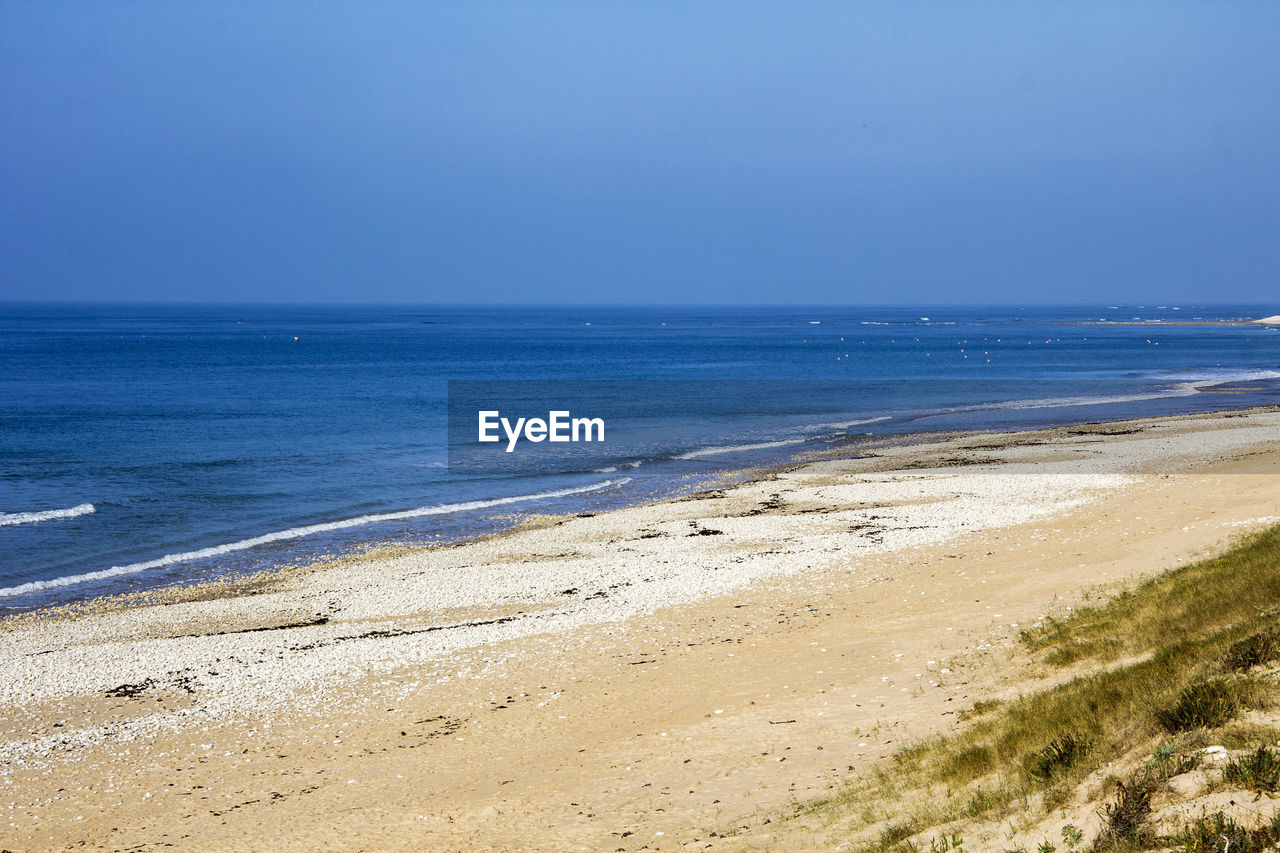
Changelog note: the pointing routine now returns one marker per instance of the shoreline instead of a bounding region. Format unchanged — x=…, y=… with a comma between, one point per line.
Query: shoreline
x=826, y=529
x=236, y=583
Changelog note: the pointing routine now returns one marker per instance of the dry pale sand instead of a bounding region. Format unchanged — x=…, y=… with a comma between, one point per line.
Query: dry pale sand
x=650, y=678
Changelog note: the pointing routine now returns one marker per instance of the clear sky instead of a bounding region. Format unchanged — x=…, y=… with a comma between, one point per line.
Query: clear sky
x=640, y=152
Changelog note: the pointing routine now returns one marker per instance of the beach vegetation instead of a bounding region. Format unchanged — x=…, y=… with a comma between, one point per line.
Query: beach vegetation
x=947, y=844
x=979, y=708
x=1219, y=833
x=1061, y=753
x=1237, y=589
x=1163, y=670
x=1124, y=819
x=1206, y=704
x=1258, y=770
x=1254, y=650
x=897, y=832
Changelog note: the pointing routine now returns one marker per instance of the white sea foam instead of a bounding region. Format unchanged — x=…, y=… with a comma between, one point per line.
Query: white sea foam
x=298, y=533
x=737, y=448
x=765, y=445
x=1219, y=375
x=8, y=518
x=1185, y=390
x=847, y=424
x=1191, y=383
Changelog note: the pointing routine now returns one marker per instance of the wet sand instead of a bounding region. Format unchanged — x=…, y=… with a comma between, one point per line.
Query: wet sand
x=644, y=677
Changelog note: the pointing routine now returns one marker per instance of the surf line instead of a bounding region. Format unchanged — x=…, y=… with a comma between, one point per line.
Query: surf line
x=11, y=518
x=299, y=533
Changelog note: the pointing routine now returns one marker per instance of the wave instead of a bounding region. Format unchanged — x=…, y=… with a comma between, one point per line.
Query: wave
x=1219, y=375
x=299, y=533
x=1189, y=384
x=847, y=424
x=1064, y=402
x=8, y=518
x=766, y=445
x=737, y=448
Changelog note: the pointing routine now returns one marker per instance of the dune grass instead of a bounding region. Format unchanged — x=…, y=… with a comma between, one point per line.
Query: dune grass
x=1186, y=604
x=1258, y=771
x=1173, y=656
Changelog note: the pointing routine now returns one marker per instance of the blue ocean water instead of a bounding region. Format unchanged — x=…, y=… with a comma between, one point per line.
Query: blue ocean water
x=144, y=445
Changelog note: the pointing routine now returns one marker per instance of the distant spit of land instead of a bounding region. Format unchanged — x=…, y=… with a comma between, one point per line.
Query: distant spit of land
x=1269, y=321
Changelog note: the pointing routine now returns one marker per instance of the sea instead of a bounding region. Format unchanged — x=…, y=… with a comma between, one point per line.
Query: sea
x=152, y=445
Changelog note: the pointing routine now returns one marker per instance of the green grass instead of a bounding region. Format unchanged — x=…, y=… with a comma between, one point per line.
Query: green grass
x=979, y=708
x=1206, y=704
x=1181, y=605
x=1217, y=833
x=1192, y=639
x=1062, y=753
x=1257, y=771
x=1262, y=647
x=1125, y=818
x=1105, y=714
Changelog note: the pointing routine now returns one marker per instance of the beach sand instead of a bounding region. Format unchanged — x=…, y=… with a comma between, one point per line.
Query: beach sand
x=649, y=678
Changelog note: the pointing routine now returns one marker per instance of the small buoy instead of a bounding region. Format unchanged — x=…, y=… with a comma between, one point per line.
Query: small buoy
x=296, y=338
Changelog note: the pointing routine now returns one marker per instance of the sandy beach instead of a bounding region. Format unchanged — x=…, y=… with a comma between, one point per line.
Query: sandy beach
x=662, y=677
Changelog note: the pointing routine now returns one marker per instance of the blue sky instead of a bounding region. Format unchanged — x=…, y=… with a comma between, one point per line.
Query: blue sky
x=640, y=152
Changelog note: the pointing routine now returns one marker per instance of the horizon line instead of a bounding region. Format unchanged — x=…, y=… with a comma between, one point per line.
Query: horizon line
x=1146, y=304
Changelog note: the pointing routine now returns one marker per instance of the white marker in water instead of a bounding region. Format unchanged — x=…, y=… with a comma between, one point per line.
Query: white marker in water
x=558, y=426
